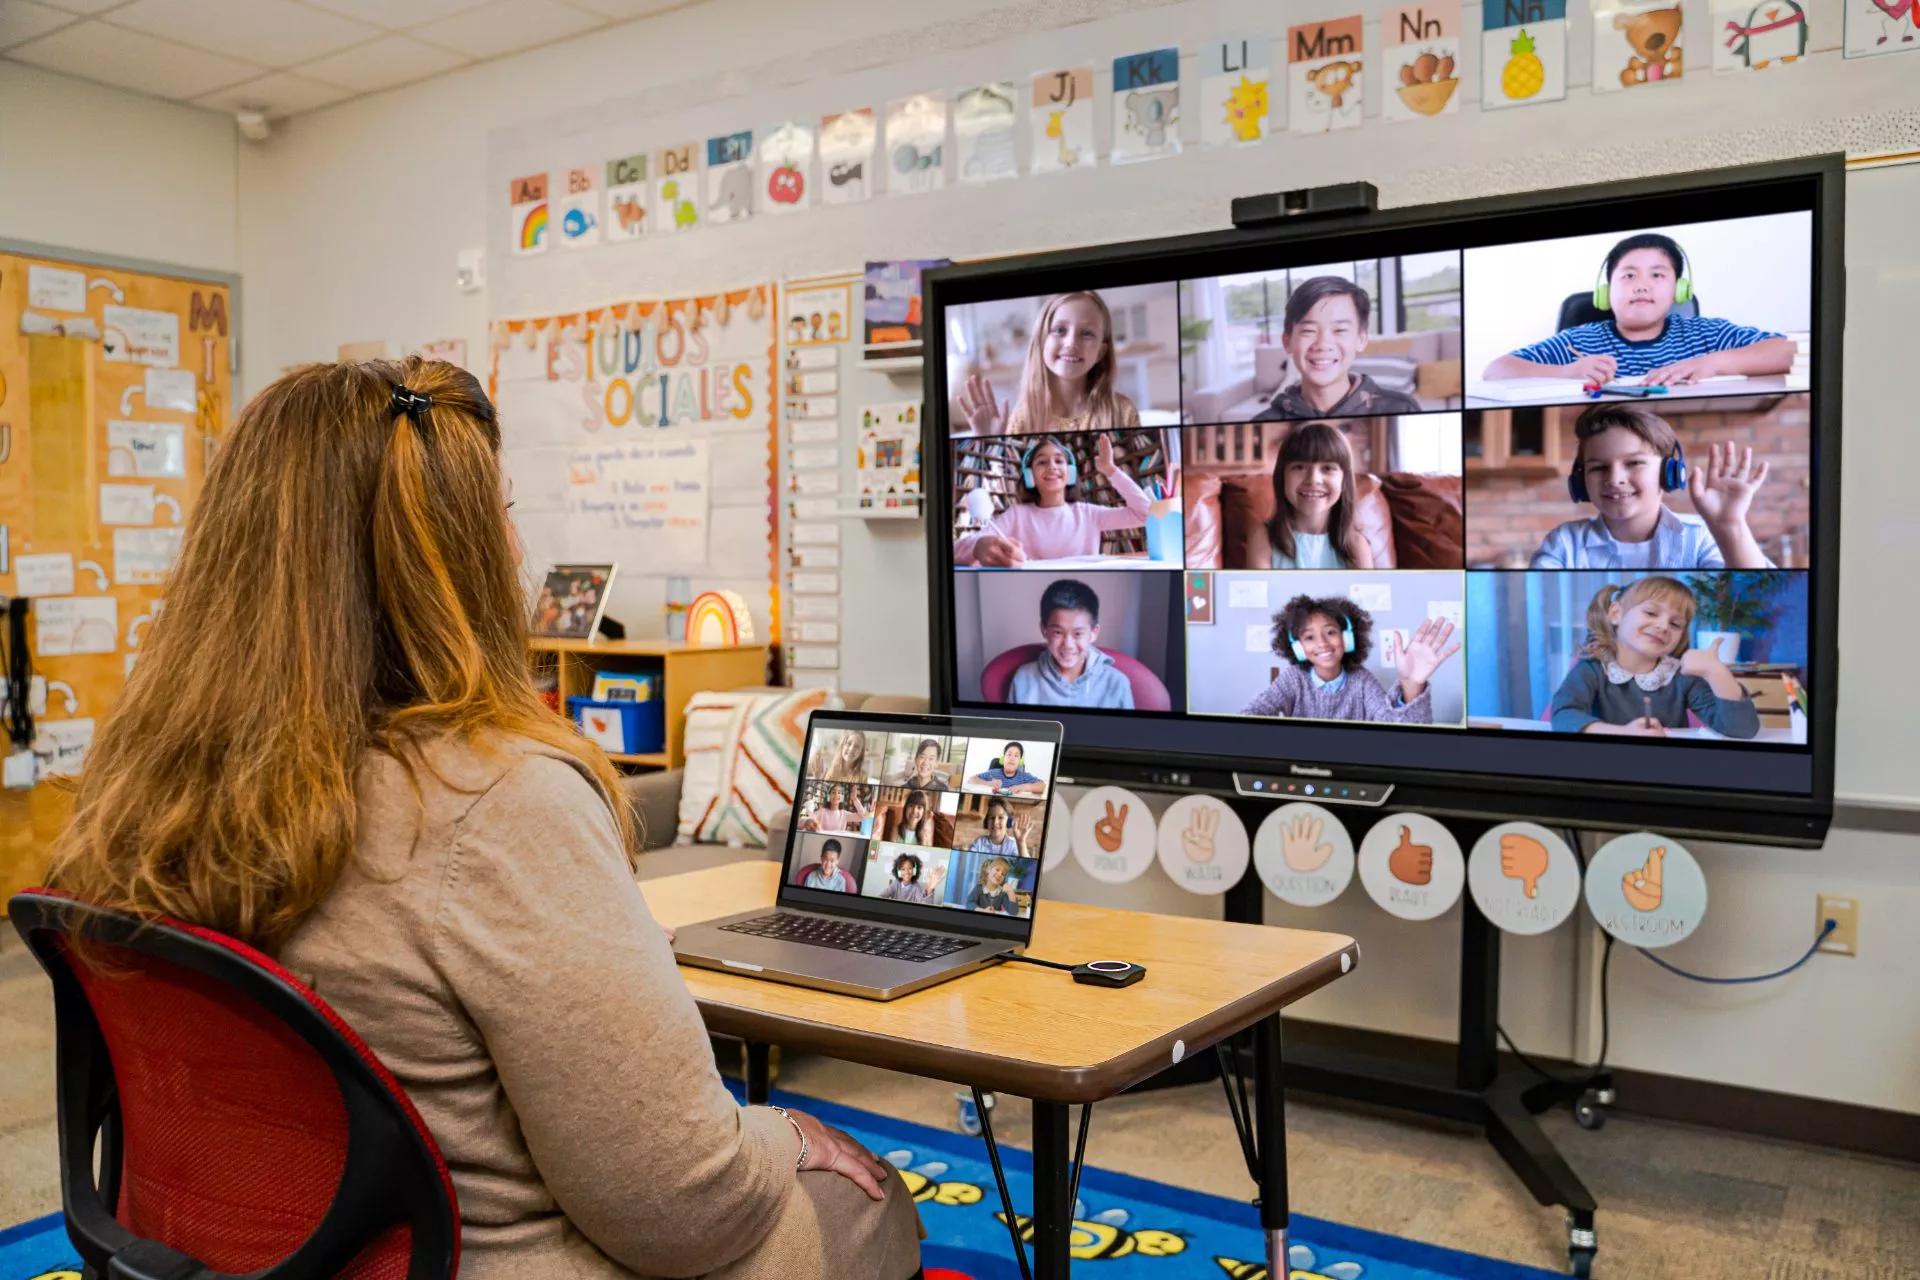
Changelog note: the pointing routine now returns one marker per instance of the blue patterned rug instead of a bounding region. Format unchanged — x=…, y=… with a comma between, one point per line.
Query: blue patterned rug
x=1125, y=1228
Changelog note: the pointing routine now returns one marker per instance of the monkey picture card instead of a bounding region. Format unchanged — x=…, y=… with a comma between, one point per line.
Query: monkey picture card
x=1420, y=61
x=1325, y=61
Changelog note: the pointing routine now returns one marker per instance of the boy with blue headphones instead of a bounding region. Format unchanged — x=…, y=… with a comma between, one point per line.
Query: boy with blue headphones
x=1644, y=278
x=1626, y=460
x=1325, y=643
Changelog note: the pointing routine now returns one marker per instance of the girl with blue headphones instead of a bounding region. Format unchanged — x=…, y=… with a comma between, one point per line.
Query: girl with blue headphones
x=1050, y=522
x=1626, y=460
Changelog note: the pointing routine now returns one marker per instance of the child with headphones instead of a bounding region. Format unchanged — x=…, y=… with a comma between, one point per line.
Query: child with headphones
x=1067, y=383
x=1637, y=675
x=1325, y=643
x=1050, y=522
x=1642, y=280
x=1625, y=460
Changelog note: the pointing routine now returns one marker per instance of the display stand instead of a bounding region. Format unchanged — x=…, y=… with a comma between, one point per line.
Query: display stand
x=1502, y=1104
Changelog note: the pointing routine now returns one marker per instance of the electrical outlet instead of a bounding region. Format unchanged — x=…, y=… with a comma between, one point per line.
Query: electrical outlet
x=1845, y=913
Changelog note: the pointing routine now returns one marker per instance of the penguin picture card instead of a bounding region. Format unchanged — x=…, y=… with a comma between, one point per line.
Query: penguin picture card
x=1420, y=61
x=1325, y=65
x=1060, y=119
x=846, y=156
x=1753, y=35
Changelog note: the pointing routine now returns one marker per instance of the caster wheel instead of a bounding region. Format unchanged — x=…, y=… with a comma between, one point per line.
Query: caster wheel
x=1580, y=1262
x=966, y=1115
x=1589, y=1112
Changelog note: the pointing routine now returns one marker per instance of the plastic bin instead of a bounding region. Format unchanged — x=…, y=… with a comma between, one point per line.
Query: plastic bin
x=628, y=728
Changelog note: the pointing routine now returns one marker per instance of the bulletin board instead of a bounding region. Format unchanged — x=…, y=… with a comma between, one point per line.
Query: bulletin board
x=115, y=385
x=641, y=433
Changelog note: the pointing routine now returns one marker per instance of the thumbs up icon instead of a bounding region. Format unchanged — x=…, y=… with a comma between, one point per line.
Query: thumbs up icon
x=1411, y=863
x=1524, y=859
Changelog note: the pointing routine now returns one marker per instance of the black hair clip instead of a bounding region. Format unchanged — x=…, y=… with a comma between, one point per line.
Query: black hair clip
x=410, y=402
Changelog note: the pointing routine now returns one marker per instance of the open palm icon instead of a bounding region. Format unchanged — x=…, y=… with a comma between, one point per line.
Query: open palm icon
x=1301, y=846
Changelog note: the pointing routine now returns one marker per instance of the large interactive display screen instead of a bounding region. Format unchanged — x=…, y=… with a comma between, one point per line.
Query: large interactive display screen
x=1530, y=501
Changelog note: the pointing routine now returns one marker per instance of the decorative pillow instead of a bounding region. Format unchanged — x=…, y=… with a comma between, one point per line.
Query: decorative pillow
x=743, y=759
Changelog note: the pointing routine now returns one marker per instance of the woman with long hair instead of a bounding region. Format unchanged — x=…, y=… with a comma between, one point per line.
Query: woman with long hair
x=332, y=749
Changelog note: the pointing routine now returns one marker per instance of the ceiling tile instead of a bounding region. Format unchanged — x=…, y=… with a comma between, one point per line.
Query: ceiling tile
x=275, y=33
x=382, y=64
x=86, y=6
x=129, y=60
x=621, y=10
x=23, y=20
x=396, y=15
x=279, y=95
x=507, y=25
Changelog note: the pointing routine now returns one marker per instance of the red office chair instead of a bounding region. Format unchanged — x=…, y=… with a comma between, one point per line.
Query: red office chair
x=1149, y=694
x=244, y=1129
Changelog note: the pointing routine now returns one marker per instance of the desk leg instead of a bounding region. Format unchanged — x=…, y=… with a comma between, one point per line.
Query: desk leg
x=1270, y=1122
x=759, y=1074
x=1052, y=1193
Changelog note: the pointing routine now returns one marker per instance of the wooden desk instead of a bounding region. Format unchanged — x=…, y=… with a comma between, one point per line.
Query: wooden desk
x=1035, y=1032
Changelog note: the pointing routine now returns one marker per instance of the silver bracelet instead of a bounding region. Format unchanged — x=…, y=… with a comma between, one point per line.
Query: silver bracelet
x=800, y=1161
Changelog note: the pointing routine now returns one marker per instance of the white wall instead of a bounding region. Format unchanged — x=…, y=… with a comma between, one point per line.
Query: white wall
x=351, y=217
x=100, y=171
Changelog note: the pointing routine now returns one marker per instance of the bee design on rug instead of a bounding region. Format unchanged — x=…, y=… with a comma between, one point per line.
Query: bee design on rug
x=1106, y=1235
x=923, y=1180
x=1301, y=1265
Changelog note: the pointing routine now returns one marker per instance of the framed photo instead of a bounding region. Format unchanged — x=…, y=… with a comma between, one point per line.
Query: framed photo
x=571, y=601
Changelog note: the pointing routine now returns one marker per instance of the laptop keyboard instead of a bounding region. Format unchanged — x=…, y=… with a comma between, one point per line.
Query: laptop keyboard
x=849, y=935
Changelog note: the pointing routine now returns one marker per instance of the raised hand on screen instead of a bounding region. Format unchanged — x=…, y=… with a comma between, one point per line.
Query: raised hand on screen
x=1103, y=456
x=1411, y=863
x=987, y=416
x=1722, y=488
x=1423, y=653
x=1643, y=886
x=1109, y=831
x=1197, y=840
x=1301, y=846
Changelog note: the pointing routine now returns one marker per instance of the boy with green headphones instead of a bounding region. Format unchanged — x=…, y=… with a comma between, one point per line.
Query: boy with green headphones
x=1642, y=280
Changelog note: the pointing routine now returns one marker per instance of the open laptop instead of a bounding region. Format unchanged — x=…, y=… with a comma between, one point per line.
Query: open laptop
x=913, y=856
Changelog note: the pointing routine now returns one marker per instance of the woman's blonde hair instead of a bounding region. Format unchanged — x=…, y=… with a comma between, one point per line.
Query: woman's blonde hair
x=1601, y=643
x=347, y=585
x=1033, y=410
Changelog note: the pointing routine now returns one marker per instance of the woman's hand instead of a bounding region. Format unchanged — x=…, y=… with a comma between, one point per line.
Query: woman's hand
x=977, y=405
x=997, y=552
x=1103, y=456
x=831, y=1149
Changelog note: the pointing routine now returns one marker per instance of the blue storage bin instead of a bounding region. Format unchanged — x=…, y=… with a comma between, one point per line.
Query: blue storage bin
x=636, y=727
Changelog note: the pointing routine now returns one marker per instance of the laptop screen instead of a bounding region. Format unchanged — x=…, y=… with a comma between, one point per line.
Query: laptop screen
x=930, y=820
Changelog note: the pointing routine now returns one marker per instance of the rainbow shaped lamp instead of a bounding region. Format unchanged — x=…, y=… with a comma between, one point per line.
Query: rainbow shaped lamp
x=719, y=618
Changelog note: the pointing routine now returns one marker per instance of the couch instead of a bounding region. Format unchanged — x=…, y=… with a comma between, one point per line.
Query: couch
x=1423, y=365
x=656, y=798
x=1410, y=521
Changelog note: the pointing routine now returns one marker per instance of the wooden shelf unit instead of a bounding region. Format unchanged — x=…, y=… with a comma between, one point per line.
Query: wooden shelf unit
x=681, y=670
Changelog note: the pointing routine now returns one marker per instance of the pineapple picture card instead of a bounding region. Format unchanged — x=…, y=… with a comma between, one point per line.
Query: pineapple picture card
x=1234, y=91
x=1523, y=53
x=1635, y=45
x=1061, y=119
x=1420, y=60
x=677, y=188
x=1324, y=65
x=1146, y=105
x=1752, y=35
x=1882, y=26
x=629, y=196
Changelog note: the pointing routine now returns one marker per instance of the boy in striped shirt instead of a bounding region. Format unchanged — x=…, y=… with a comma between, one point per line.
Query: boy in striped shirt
x=1644, y=339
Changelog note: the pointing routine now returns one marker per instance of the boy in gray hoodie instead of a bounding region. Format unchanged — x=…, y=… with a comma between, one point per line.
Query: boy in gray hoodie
x=1070, y=671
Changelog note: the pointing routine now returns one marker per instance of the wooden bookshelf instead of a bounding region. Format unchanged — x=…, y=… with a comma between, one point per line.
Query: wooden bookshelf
x=681, y=671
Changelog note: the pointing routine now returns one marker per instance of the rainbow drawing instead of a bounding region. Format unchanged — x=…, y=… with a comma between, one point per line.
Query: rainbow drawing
x=719, y=617
x=533, y=227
